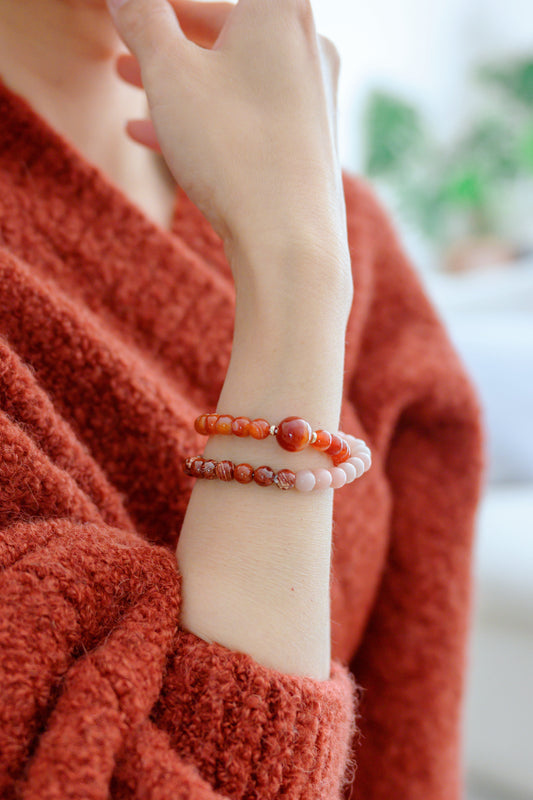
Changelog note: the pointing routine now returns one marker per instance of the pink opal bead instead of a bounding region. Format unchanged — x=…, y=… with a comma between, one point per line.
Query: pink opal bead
x=323, y=478
x=355, y=444
x=365, y=457
x=349, y=469
x=305, y=480
x=338, y=477
x=358, y=464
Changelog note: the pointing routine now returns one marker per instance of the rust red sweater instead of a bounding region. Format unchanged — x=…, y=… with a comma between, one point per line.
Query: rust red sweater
x=114, y=335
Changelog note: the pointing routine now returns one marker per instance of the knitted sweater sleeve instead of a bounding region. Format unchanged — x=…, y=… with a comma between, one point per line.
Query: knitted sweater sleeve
x=409, y=396
x=102, y=694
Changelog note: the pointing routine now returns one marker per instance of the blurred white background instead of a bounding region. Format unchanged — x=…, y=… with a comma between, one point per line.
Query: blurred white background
x=425, y=52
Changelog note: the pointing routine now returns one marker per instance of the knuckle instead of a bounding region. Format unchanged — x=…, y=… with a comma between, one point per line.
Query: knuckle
x=143, y=24
x=303, y=11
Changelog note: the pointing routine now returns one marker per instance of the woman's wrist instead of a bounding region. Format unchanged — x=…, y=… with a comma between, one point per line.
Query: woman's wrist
x=255, y=562
x=285, y=265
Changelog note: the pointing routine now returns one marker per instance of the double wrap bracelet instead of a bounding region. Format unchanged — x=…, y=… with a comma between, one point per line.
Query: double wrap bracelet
x=351, y=457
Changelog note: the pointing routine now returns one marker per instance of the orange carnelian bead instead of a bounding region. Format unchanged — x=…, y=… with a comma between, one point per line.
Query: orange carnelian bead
x=323, y=440
x=344, y=454
x=223, y=424
x=210, y=423
x=199, y=424
x=243, y=473
x=240, y=426
x=336, y=445
x=264, y=476
x=259, y=428
x=293, y=434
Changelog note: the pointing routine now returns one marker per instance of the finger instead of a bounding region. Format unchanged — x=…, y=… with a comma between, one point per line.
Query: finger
x=202, y=22
x=128, y=68
x=148, y=27
x=331, y=65
x=143, y=132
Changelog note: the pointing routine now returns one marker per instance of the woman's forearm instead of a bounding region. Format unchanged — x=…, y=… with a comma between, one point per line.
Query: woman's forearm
x=255, y=561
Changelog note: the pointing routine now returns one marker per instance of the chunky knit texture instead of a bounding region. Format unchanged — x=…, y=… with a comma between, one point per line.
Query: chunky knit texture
x=114, y=335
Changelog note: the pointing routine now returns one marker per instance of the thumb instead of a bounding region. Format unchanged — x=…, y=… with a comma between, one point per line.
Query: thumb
x=147, y=26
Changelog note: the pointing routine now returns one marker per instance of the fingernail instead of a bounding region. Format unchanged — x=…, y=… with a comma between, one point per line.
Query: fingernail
x=114, y=4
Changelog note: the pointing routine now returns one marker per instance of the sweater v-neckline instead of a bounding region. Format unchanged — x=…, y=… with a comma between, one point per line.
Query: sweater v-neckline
x=98, y=245
x=99, y=179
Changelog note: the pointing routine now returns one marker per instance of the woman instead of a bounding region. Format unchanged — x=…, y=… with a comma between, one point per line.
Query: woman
x=162, y=640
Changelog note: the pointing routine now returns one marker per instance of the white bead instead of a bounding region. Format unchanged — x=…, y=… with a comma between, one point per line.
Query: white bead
x=338, y=477
x=365, y=457
x=353, y=442
x=358, y=464
x=349, y=469
x=323, y=478
x=305, y=480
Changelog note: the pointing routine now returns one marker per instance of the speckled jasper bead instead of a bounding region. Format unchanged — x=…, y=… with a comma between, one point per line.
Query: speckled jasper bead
x=264, y=476
x=209, y=469
x=225, y=470
x=285, y=479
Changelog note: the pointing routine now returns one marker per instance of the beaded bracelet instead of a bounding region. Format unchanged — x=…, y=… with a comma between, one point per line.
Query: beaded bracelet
x=292, y=433
x=305, y=480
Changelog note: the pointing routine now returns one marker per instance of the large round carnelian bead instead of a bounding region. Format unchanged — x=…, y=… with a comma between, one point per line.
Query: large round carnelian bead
x=259, y=429
x=293, y=434
x=323, y=440
x=200, y=424
x=240, y=426
x=223, y=424
x=264, y=476
x=336, y=445
x=343, y=455
x=210, y=423
x=243, y=473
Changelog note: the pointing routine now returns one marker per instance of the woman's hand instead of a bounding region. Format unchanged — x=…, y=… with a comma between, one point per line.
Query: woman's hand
x=244, y=112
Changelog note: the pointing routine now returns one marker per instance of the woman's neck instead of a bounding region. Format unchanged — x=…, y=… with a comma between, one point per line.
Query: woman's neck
x=59, y=55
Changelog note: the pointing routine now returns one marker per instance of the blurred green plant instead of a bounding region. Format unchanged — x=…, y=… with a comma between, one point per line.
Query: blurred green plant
x=446, y=189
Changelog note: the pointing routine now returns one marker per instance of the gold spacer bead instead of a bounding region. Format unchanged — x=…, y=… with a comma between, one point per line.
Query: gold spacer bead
x=313, y=438
x=273, y=430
